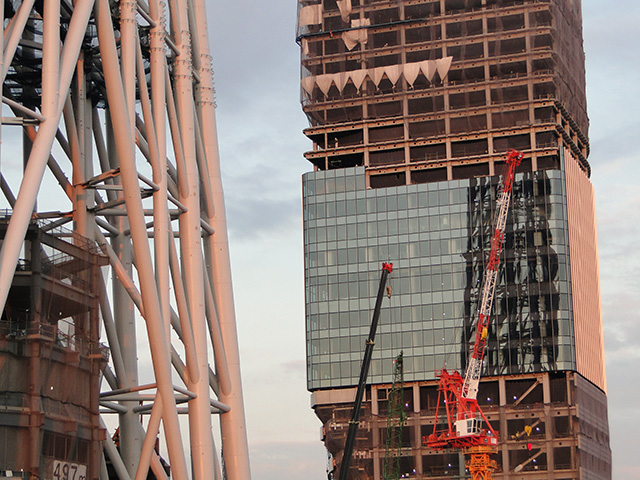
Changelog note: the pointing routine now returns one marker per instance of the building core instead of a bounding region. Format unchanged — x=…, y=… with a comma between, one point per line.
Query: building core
x=412, y=106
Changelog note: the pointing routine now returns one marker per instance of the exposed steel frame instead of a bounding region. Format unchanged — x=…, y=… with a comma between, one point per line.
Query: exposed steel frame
x=165, y=236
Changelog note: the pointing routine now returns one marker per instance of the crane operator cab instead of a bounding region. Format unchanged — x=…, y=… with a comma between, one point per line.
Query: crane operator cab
x=472, y=427
x=468, y=426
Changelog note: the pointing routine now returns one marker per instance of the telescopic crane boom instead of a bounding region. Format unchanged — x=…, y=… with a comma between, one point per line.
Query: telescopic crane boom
x=387, y=268
x=464, y=417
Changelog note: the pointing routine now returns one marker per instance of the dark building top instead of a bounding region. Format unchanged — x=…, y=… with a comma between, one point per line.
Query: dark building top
x=437, y=90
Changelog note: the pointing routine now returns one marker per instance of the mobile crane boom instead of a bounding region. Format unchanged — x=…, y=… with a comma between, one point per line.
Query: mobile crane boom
x=387, y=268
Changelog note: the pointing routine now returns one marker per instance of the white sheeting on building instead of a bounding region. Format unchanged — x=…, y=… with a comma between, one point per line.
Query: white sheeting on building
x=345, y=9
x=393, y=73
x=324, y=81
x=359, y=34
x=443, y=65
x=428, y=68
x=357, y=77
x=376, y=75
x=308, y=83
x=341, y=80
x=310, y=15
x=410, y=71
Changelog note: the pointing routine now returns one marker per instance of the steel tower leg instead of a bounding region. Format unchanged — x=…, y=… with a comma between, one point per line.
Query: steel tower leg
x=236, y=450
x=124, y=91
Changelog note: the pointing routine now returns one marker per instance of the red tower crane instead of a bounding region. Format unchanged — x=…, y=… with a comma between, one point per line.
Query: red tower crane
x=459, y=395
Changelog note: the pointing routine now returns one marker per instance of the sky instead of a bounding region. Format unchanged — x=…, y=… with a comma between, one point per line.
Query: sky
x=260, y=123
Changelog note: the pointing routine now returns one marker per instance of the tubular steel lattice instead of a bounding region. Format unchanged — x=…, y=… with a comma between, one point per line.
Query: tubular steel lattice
x=115, y=104
x=396, y=419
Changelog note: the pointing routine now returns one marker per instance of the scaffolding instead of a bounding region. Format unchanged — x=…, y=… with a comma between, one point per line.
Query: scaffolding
x=395, y=421
x=414, y=90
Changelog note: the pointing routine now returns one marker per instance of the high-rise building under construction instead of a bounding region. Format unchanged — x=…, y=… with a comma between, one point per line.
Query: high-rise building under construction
x=412, y=106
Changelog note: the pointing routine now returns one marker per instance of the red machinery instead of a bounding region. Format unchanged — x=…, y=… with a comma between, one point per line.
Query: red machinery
x=464, y=417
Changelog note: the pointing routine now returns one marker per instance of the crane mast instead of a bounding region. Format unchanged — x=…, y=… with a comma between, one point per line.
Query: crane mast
x=459, y=394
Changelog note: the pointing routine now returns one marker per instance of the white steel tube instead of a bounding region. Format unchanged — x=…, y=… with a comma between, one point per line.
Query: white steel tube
x=18, y=106
x=55, y=169
x=124, y=310
x=128, y=41
x=149, y=440
x=158, y=93
x=126, y=154
x=101, y=149
x=77, y=159
x=15, y=30
x=183, y=314
x=50, y=58
x=233, y=424
x=160, y=213
x=123, y=276
x=110, y=330
x=183, y=184
x=222, y=370
x=116, y=461
x=202, y=452
x=6, y=190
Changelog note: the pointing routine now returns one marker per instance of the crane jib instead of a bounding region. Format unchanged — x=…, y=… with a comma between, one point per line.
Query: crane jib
x=472, y=374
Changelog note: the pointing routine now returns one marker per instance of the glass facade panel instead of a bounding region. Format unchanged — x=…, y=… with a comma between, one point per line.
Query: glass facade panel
x=437, y=276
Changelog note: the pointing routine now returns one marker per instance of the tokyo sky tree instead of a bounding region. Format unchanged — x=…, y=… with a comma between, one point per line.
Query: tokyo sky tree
x=114, y=261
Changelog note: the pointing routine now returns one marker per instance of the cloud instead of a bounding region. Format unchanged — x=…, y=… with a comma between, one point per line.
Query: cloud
x=253, y=218
x=295, y=366
x=288, y=460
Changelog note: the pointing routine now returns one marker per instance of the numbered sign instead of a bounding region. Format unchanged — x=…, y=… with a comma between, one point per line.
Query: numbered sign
x=68, y=471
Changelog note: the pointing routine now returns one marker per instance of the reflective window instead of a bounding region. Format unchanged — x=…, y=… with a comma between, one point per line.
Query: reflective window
x=438, y=237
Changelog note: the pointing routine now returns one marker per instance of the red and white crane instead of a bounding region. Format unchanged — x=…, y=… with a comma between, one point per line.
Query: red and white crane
x=459, y=395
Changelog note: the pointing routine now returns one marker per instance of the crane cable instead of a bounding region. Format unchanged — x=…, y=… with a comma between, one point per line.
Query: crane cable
x=392, y=313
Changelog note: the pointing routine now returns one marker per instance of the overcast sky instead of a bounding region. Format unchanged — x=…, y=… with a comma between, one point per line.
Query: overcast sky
x=260, y=122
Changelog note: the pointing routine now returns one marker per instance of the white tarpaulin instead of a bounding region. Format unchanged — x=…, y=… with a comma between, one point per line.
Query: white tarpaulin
x=345, y=9
x=340, y=79
x=376, y=75
x=411, y=71
x=310, y=15
x=324, y=82
x=357, y=77
x=428, y=68
x=308, y=83
x=393, y=73
x=351, y=38
x=358, y=34
x=443, y=65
